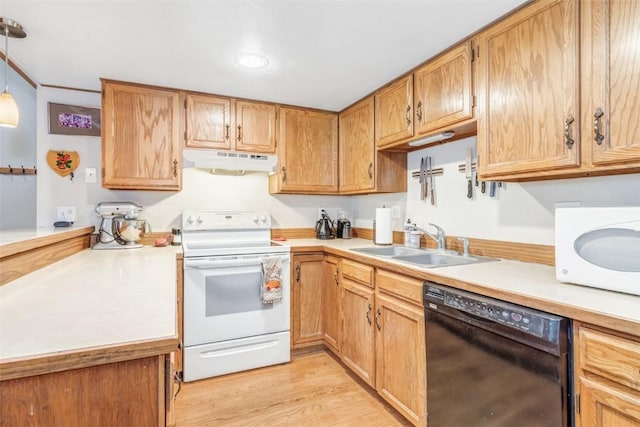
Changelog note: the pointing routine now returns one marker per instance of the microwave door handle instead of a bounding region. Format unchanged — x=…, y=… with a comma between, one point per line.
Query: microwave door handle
x=209, y=264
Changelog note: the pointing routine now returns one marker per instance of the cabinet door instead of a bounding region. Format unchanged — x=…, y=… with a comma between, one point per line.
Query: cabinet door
x=613, y=66
x=394, y=112
x=332, y=304
x=443, y=90
x=208, y=122
x=141, y=142
x=308, y=152
x=605, y=406
x=357, y=148
x=255, y=127
x=306, y=311
x=400, y=357
x=358, y=345
x=528, y=91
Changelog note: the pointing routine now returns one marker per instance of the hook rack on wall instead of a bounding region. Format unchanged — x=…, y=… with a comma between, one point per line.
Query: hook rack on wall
x=10, y=170
x=463, y=167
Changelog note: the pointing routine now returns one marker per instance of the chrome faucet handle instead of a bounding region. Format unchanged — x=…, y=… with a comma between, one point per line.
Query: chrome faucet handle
x=439, y=229
x=465, y=245
x=440, y=238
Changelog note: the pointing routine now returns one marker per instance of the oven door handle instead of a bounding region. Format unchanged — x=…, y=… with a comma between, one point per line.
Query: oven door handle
x=209, y=264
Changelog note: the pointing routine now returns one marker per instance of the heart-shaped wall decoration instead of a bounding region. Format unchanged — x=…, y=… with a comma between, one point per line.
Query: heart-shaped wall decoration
x=63, y=162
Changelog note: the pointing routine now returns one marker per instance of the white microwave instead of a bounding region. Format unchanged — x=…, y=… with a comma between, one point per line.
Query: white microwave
x=599, y=247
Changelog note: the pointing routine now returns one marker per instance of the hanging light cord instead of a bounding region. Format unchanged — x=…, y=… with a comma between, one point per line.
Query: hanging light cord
x=6, y=57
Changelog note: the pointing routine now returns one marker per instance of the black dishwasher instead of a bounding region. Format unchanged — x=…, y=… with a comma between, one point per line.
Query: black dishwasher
x=493, y=363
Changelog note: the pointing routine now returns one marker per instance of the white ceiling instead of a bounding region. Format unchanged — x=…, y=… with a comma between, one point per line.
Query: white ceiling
x=324, y=53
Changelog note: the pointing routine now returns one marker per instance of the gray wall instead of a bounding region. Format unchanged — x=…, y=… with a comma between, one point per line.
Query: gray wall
x=18, y=147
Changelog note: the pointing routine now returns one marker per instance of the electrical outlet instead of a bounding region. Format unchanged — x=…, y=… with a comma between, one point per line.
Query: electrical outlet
x=66, y=213
x=396, y=212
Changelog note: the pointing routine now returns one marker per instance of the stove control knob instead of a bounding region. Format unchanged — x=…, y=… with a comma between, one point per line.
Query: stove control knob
x=263, y=218
x=190, y=219
x=199, y=220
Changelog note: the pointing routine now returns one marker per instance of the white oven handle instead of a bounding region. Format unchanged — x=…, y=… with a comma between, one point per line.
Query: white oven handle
x=212, y=263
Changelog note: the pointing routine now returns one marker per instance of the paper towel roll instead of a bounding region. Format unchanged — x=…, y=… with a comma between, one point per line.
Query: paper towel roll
x=384, y=231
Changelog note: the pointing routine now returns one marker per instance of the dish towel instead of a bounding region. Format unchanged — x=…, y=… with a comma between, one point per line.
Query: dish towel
x=271, y=289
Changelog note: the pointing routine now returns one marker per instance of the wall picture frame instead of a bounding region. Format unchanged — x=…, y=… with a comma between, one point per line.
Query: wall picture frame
x=73, y=120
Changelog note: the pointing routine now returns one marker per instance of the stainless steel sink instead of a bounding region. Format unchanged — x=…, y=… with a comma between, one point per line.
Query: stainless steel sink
x=389, y=251
x=440, y=259
x=428, y=258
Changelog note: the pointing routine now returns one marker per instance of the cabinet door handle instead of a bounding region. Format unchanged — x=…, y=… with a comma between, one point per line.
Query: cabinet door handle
x=369, y=314
x=599, y=137
x=419, y=111
x=175, y=168
x=298, y=273
x=407, y=115
x=567, y=134
x=226, y=136
x=239, y=133
x=284, y=174
x=335, y=276
x=378, y=314
x=370, y=170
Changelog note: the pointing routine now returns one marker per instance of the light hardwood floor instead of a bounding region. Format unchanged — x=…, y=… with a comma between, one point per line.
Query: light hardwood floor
x=314, y=389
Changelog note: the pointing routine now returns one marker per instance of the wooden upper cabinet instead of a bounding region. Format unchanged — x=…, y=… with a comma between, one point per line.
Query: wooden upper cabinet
x=443, y=90
x=255, y=127
x=307, y=152
x=208, y=122
x=528, y=91
x=141, y=140
x=394, y=112
x=611, y=64
x=357, y=147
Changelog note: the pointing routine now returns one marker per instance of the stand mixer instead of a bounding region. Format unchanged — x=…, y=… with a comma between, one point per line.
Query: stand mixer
x=120, y=227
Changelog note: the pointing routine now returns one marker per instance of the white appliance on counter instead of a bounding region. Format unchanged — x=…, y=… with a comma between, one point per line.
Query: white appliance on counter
x=227, y=326
x=599, y=247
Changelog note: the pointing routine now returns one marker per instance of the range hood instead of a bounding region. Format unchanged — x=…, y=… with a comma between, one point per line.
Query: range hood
x=228, y=161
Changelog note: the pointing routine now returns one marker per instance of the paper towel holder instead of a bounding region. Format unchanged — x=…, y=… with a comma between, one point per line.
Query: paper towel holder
x=374, y=236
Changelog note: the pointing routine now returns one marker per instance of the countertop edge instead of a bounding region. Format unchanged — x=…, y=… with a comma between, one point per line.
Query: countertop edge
x=81, y=358
x=20, y=246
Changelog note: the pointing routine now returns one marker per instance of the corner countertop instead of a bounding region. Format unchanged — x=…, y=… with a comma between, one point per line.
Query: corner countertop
x=90, y=300
x=529, y=284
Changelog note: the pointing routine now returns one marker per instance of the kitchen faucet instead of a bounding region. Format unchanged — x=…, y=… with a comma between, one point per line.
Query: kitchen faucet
x=439, y=238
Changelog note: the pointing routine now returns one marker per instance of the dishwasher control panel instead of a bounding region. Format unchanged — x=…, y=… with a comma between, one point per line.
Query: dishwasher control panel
x=533, y=322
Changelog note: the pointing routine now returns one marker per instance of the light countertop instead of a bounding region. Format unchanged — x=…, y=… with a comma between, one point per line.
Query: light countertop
x=529, y=284
x=90, y=299
x=28, y=234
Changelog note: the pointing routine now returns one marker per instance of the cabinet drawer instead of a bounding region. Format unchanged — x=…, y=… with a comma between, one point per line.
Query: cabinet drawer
x=403, y=287
x=359, y=272
x=611, y=357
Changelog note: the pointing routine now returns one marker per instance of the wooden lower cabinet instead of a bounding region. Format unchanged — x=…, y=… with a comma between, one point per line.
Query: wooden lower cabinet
x=607, y=378
x=358, y=333
x=400, y=357
x=129, y=393
x=306, y=293
x=332, y=304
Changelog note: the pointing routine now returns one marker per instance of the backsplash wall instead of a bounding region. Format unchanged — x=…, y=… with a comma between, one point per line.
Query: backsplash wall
x=520, y=212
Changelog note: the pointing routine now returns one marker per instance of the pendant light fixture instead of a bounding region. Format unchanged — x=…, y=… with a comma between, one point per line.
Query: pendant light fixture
x=9, y=114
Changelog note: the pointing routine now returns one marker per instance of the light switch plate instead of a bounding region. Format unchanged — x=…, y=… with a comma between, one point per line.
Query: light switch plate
x=90, y=175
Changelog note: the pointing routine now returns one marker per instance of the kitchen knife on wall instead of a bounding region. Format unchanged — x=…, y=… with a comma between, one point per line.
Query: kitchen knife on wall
x=433, y=193
x=469, y=174
x=492, y=189
x=421, y=179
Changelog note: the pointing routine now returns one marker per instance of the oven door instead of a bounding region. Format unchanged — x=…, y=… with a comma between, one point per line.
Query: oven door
x=222, y=299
